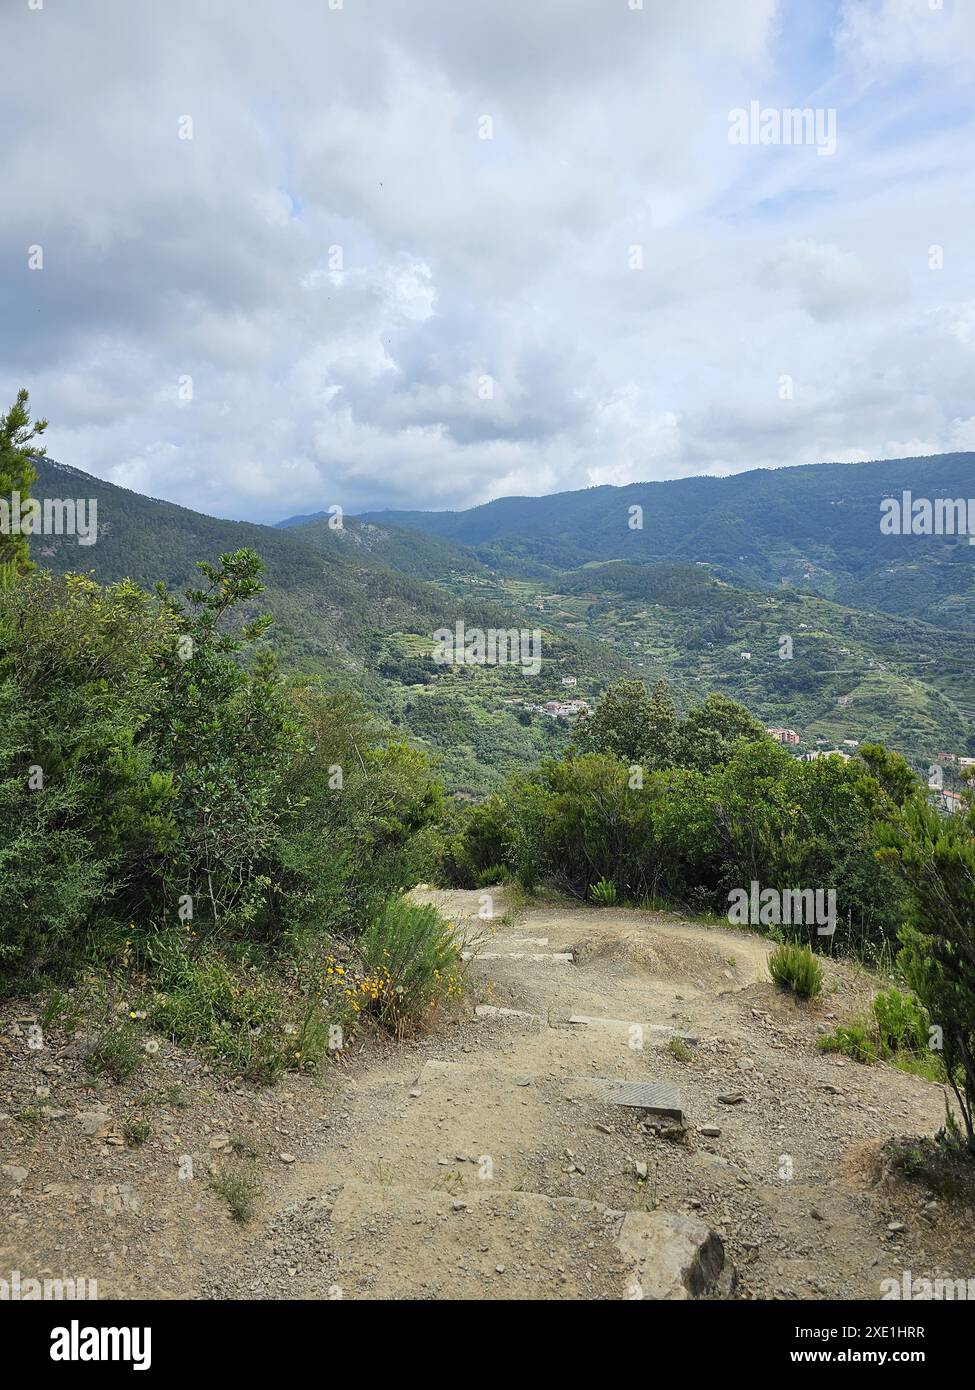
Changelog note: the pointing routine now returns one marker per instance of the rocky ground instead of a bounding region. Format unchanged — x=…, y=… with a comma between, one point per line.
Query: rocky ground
x=493, y=1160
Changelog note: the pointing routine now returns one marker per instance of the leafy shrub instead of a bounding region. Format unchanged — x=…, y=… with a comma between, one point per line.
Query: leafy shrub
x=410, y=955
x=603, y=892
x=853, y=1040
x=902, y=1023
x=796, y=968
x=935, y=857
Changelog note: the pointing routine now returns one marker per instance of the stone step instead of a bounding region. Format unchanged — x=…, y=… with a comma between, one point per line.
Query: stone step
x=394, y=1242
x=536, y=957
x=505, y=940
x=497, y=1011
x=656, y=1097
x=638, y=1031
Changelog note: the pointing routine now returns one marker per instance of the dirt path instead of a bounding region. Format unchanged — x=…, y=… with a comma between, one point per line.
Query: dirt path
x=494, y=1165
x=496, y=1161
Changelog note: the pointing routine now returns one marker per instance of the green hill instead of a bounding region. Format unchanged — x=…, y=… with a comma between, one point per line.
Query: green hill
x=816, y=527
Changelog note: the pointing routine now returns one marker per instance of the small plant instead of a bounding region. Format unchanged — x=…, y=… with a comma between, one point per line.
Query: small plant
x=796, y=968
x=678, y=1048
x=117, y=1053
x=852, y=1040
x=901, y=1021
x=242, y=1146
x=603, y=892
x=412, y=965
x=179, y=1097
x=136, y=1131
x=240, y=1187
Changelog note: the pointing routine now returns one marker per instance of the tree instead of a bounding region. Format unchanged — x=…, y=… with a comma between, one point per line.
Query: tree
x=632, y=724
x=935, y=856
x=17, y=476
x=711, y=731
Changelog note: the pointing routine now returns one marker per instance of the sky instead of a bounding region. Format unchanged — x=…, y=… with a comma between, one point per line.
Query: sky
x=262, y=257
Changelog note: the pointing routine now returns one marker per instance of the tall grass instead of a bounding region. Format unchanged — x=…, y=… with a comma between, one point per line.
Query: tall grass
x=796, y=968
x=411, y=955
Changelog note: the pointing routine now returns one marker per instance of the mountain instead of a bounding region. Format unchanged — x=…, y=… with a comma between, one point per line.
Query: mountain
x=816, y=527
x=349, y=606
x=392, y=547
x=340, y=614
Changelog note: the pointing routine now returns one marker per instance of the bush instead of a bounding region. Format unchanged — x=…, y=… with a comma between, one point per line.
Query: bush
x=935, y=857
x=853, y=1040
x=603, y=892
x=902, y=1024
x=410, y=955
x=796, y=968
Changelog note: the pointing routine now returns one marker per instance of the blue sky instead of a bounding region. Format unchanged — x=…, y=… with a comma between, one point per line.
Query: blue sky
x=338, y=291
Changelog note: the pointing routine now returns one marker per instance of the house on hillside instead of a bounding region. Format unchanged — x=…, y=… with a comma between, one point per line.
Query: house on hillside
x=786, y=736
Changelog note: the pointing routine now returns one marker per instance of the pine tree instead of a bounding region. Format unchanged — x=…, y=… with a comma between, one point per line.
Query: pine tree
x=17, y=477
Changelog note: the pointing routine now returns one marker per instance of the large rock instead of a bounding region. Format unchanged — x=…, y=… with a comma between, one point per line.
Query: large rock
x=673, y=1255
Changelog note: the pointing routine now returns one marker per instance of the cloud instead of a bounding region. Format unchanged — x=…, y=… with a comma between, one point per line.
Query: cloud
x=282, y=268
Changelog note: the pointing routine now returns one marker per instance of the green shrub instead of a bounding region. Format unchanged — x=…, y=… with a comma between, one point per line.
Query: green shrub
x=410, y=954
x=851, y=1039
x=603, y=892
x=796, y=968
x=902, y=1024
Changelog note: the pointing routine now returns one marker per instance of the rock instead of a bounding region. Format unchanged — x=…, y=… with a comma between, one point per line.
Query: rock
x=894, y=1226
x=604, y=1129
x=641, y=1169
x=286, y=1158
x=14, y=1173
x=710, y=1131
x=95, y=1123
x=115, y=1199
x=674, y=1255
x=731, y=1098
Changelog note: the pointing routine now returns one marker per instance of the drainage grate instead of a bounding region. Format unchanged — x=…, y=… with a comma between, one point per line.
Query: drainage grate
x=657, y=1096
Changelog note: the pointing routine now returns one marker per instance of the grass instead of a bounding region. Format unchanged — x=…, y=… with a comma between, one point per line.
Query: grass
x=796, y=968
x=117, y=1053
x=678, y=1048
x=852, y=1040
x=136, y=1131
x=411, y=964
x=896, y=1031
x=240, y=1187
x=603, y=892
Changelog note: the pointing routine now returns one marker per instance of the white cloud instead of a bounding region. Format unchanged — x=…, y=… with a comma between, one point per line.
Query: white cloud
x=464, y=259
